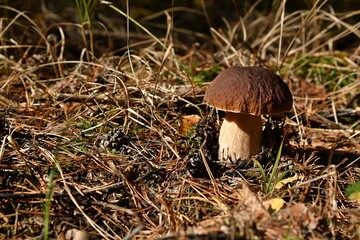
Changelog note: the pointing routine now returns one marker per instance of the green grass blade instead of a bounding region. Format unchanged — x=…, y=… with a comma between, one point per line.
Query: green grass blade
x=263, y=174
x=270, y=183
x=47, y=206
x=137, y=24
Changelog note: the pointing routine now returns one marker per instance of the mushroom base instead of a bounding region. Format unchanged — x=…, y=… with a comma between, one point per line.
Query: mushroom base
x=240, y=136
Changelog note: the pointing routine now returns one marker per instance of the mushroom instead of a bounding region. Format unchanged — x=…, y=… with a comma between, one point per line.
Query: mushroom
x=245, y=93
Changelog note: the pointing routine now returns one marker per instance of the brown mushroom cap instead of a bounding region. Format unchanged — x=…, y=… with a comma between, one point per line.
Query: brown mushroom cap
x=249, y=90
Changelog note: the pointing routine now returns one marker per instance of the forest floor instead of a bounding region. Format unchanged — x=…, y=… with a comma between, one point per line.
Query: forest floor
x=112, y=142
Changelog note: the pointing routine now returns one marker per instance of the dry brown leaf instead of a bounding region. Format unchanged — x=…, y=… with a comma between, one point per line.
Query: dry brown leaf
x=300, y=216
x=187, y=122
x=310, y=89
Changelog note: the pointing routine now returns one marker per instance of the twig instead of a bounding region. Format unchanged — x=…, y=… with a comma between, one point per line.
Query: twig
x=59, y=195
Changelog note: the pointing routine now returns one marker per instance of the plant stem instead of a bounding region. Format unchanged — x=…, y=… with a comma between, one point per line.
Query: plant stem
x=47, y=207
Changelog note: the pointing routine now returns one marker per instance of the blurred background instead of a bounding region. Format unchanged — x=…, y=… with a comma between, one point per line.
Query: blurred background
x=191, y=23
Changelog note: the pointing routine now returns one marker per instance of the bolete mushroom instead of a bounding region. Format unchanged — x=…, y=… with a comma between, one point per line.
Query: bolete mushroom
x=245, y=93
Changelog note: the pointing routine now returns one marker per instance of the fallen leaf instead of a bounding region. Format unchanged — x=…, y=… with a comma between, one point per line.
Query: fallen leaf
x=353, y=192
x=275, y=204
x=355, y=196
x=300, y=216
x=187, y=122
x=310, y=89
x=285, y=181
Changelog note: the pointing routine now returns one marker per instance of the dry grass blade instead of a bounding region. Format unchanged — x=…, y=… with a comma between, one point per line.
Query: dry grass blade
x=52, y=158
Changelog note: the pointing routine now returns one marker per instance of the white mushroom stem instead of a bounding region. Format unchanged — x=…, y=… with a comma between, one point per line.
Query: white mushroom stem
x=240, y=136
